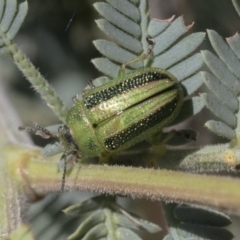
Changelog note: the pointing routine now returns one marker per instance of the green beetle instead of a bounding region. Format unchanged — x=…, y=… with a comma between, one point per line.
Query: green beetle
x=133, y=107
x=123, y=112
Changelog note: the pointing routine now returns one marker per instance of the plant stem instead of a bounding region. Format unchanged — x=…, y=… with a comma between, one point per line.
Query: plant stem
x=42, y=176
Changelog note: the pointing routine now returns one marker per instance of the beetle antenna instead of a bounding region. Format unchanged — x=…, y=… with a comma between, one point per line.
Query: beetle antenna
x=64, y=156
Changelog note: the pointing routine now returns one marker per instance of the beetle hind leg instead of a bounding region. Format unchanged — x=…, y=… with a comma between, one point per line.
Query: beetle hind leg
x=106, y=157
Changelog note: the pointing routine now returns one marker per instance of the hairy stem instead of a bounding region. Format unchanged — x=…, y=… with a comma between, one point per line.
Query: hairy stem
x=38, y=82
x=43, y=177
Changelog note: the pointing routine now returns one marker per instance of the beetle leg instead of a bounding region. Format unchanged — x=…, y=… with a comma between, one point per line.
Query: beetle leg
x=67, y=156
x=155, y=139
x=158, y=148
x=64, y=157
x=156, y=152
x=165, y=137
x=90, y=84
x=159, y=141
x=38, y=130
x=140, y=58
x=75, y=99
x=188, y=136
x=105, y=157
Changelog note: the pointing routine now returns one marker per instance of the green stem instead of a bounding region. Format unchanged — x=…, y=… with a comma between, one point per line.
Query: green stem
x=42, y=176
x=38, y=82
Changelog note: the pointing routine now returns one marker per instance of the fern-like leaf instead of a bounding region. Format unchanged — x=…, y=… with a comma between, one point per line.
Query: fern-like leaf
x=194, y=222
x=224, y=84
x=12, y=16
x=107, y=220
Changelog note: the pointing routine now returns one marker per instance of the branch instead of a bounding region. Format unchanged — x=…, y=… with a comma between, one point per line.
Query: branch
x=42, y=177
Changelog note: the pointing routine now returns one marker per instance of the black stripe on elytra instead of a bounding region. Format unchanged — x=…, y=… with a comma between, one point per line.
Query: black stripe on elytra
x=130, y=83
x=116, y=141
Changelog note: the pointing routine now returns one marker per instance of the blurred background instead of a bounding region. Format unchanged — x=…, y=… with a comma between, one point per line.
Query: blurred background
x=57, y=36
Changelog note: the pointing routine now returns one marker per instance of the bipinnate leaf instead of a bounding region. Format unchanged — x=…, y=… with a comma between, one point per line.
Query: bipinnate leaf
x=12, y=18
x=125, y=233
x=224, y=52
x=97, y=218
x=221, y=129
x=136, y=223
x=234, y=43
x=105, y=213
x=219, y=109
x=156, y=26
x=128, y=8
x=194, y=222
x=192, y=83
x=115, y=53
x=201, y=216
x=170, y=35
x=119, y=20
x=179, y=51
x=83, y=207
x=221, y=71
x=18, y=19
x=186, y=68
x=224, y=94
x=224, y=84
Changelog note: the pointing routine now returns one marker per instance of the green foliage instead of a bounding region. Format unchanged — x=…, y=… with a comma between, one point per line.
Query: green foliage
x=191, y=222
x=12, y=17
x=224, y=84
x=10, y=24
x=107, y=220
x=127, y=23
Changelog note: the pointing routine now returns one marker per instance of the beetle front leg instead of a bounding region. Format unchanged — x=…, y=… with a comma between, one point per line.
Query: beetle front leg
x=158, y=148
x=162, y=138
x=159, y=141
x=140, y=58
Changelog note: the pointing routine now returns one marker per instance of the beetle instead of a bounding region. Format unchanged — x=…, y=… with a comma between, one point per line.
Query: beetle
x=133, y=107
